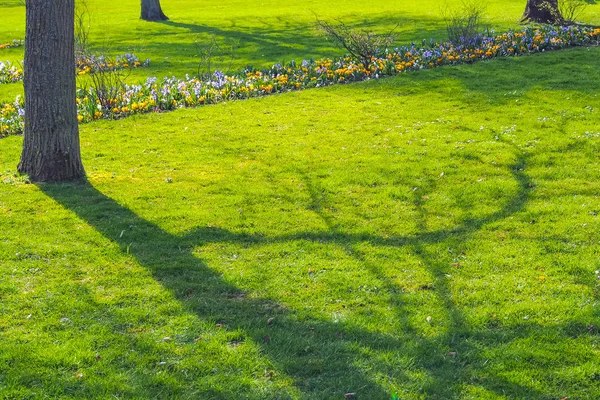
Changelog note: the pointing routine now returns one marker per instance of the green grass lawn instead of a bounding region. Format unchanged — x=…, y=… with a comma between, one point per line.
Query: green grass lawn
x=430, y=236
x=434, y=235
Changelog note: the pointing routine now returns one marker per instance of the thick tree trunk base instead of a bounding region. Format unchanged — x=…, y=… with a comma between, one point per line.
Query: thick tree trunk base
x=51, y=135
x=42, y=166
x=543, y=12
x=151, y=11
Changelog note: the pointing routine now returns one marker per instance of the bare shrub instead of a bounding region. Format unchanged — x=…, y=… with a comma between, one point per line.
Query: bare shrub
x=212, y=52
x=464, y=25
x=361, y=44
x=572, y=9
x=107, y=84
x=82, y=29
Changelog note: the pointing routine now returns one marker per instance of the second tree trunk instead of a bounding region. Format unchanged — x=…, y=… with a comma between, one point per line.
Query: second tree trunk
x=151, y=11
x=543, y=12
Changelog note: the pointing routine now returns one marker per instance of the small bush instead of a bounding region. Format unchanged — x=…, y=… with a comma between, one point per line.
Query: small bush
x=361, y=44
x=572, y=9
x=107, y=84
x=82, y=29
x=213, y=52
x=464, y=25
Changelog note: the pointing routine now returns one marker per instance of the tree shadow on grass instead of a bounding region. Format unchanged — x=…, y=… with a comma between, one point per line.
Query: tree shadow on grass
x=323, y=358
x=276, y=40
x=505, y=80
x=313, y=353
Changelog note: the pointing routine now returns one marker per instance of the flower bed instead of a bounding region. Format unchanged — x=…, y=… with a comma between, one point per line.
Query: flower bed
x=13, y=44
x=10, y=73
x=94, y=64
x=172, y=93
x=11, y=118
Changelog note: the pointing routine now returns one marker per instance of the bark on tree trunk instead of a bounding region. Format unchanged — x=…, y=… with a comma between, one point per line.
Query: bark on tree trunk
x=543, y=12
x=51, y=143
x=151, y=11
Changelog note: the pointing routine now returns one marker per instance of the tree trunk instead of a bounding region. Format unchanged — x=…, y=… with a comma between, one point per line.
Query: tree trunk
x=543, y=12
x=51, y=143
x=151, y=11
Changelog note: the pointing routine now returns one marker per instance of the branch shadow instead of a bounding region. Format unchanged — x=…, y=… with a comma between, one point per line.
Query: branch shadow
x=275, y=40
x=319, y=355
x=322, y=354
x=505, y=80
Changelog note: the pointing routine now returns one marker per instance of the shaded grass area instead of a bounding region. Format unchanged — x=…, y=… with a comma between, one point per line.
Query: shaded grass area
x=434, y=236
